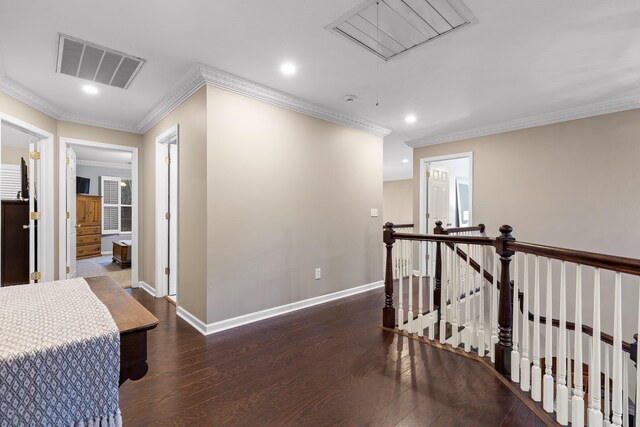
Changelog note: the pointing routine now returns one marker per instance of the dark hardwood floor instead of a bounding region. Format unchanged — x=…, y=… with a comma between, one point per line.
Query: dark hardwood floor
x=326, y=365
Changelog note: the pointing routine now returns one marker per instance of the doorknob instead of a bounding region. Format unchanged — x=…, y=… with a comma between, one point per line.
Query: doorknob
x=25, y=227
x=78, y=225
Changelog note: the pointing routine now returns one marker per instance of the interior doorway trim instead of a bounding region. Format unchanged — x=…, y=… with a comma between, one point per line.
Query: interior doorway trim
x=46, y=263
x=424, y=164
x=162, y=233
x=62, y=190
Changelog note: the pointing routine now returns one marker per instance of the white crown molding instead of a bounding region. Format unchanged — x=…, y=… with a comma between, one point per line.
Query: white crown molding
x=114, y=125
x=103, y=164
x=215, y=77
x=23, y=94
x=203, y=74
x=575, y=113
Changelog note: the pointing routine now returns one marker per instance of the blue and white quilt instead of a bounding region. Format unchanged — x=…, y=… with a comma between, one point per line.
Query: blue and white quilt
x=59, y=357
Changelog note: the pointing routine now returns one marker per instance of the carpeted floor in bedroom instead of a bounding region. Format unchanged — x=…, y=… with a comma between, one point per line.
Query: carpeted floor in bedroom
x=103, y=266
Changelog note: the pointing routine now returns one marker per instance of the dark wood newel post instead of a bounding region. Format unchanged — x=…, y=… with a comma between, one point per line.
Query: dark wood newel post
x=505, y=310
x=388, y=312
x=438, y=273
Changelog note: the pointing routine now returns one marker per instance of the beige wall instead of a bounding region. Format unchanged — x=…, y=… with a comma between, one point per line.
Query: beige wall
x=397, y=206
x=286, y=193
x=573, y=184
x=12, y=155
x=192, y=169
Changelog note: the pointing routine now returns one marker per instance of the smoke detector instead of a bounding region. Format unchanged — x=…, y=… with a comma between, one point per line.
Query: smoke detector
x=89, y=61
x=350, y=98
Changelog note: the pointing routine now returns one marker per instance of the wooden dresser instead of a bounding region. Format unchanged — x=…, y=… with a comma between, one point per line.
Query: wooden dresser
x=89, y=226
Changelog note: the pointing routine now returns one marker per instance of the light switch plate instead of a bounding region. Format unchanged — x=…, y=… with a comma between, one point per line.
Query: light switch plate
x=318, y=273
x=374, y=213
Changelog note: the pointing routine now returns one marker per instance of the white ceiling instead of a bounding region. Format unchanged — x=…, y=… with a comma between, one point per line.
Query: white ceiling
x=521, y=63
x=101, y=155
x=15, y=137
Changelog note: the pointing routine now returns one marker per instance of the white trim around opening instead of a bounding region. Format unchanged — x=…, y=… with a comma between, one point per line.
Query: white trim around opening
x=62, y=190
x=46, y=255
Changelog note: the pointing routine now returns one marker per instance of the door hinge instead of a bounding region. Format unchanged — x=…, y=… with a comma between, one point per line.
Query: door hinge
x=35, y=216
x=167, y=270
x=68, y=161
x=68, y=270
x=36, y=275
x=167, y=215
x=35, y=155
x=68, y=215
x=167, y=160
x=428, y=216
x=428, y=174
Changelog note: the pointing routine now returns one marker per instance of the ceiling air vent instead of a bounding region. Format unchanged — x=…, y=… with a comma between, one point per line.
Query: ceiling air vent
x=90, y=61
x=390, y=27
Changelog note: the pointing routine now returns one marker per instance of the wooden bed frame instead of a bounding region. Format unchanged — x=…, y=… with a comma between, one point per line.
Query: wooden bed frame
x=133, y=321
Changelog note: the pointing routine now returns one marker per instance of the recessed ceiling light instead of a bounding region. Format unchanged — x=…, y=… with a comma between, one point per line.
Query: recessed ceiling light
x=405, y=160
x=410, y=119
x=288, y=69
x=90, y=89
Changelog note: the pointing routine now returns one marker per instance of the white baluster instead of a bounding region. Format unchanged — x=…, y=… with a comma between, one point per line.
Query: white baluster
x=607, y=387
x=616, y=402
x=467, y=303
x=432, y=288
x=561, y=389
x=595, y=415
x=625, y=391
x=455, y=297
x=410, y=326
x=481, y=342
x=494, y=309
x=569, y=389
x=548, y=353
x=443, y=291
x=400, y=290
x=515, y=353
x=577, y=417
x=420, y=321
x=536, y=371
x=525, y=363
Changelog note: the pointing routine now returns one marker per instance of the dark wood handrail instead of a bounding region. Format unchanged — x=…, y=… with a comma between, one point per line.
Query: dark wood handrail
x=443, y=238
x=607, y=262
x=401, y=226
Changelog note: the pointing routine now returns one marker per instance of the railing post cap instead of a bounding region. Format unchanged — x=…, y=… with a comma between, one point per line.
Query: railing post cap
x=388, y=225
x=438, y=223
x=506, y=229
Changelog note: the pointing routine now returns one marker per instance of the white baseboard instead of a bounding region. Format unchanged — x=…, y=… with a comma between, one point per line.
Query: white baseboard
x=199, y=325
x=223, y=325
x=107, y=253
x=148, y=288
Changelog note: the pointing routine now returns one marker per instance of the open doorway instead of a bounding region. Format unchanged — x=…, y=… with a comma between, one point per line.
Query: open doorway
x=98, y=193
x=446, y=193
x=167, y=214
x=26, y=236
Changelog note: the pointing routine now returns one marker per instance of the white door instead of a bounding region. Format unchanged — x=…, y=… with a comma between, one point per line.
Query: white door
x=71, y=210
x=438, y=204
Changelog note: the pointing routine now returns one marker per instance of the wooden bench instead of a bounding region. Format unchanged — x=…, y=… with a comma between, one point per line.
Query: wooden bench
x=133, y=321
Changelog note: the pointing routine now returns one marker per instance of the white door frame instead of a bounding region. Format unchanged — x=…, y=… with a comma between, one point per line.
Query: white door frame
x=46, y=263
x=424, y=188
x=162, y=285
x=62, y=190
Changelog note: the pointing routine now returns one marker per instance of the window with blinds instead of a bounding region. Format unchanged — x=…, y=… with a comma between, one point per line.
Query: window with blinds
x=116, y=205
x=11, y=181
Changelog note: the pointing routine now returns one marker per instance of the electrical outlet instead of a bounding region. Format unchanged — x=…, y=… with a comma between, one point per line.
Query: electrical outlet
x=374, y=213
x=318, y=273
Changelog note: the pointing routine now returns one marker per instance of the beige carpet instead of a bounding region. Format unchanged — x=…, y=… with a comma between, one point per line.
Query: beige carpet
x=102, y=266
